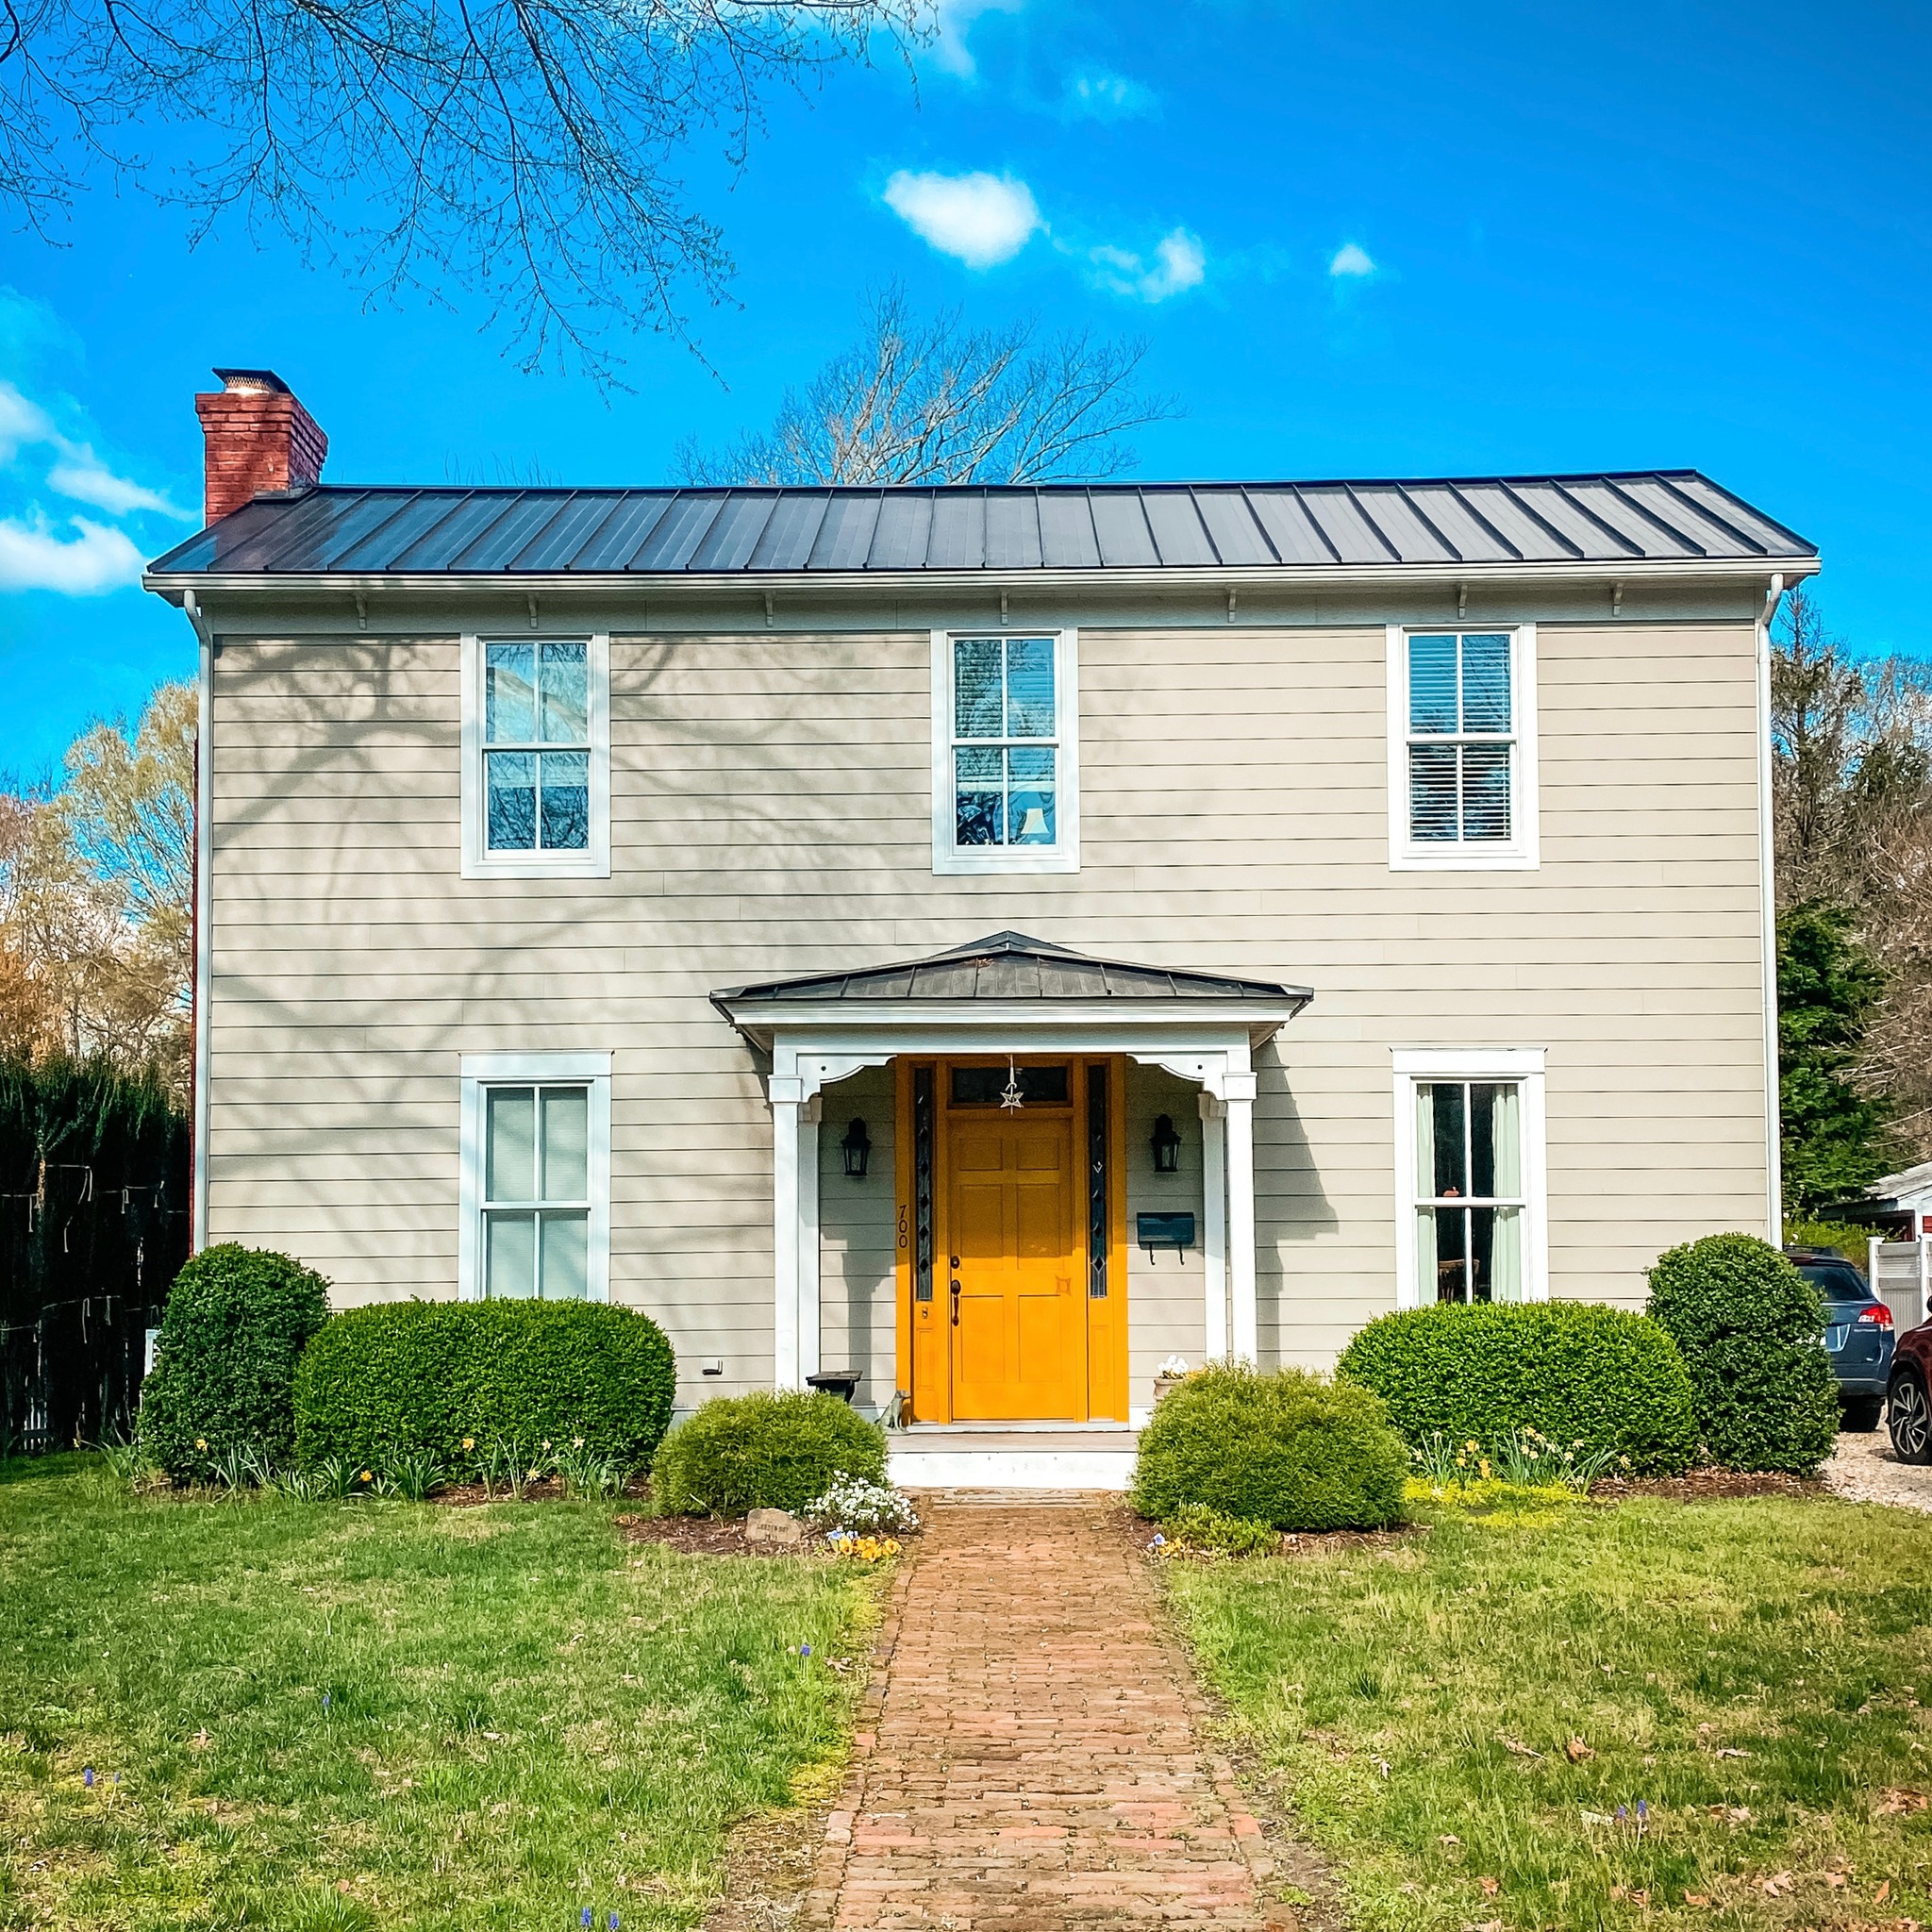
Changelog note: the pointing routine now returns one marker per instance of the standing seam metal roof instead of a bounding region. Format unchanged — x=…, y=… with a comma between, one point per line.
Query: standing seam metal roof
x=1627, y=516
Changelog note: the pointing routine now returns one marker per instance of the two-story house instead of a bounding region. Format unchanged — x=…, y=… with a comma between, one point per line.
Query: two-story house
x=986, y=941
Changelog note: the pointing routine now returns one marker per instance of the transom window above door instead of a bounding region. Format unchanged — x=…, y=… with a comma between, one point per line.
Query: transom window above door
x=1463, y=750
x=536, y=758
x=1005, y=774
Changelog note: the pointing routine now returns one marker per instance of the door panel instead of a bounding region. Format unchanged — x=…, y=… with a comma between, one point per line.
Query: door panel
x=1019, y=1337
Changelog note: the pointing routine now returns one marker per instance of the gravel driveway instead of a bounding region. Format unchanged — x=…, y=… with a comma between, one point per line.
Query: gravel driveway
x=1863, y=1470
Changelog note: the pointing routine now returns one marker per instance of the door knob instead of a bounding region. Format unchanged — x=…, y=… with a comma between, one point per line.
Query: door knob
x=956, y=1260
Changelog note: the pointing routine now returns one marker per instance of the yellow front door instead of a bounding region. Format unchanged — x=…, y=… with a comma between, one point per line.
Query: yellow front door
x=1016, y=1280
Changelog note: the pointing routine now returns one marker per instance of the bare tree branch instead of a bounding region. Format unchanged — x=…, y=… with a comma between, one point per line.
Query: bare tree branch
x=525, y=148
x=934, y=402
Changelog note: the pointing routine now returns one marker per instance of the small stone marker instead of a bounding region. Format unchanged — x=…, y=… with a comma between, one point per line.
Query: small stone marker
x=773, y=1526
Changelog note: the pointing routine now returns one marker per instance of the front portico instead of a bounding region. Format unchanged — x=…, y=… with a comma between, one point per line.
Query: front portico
x=1009, y=1060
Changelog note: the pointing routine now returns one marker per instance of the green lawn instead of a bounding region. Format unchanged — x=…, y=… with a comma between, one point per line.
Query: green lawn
x=1756, y=1672
x=326, y=1717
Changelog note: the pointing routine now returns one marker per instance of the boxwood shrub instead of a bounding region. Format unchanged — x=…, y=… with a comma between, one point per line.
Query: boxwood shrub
x=1576, y=1370
x=1287, y=1449
x=224, y=1367
x=766, y=1451
x=1749, y=1328
x=403, y=1375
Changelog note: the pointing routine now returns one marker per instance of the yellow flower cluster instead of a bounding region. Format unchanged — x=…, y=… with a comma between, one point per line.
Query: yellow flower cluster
x=868, y=1549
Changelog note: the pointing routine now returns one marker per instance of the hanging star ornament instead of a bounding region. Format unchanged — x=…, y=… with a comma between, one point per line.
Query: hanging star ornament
x=1012, y=1099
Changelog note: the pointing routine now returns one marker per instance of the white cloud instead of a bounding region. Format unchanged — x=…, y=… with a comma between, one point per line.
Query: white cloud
x=1179, y=262
x=955, y=18
x=982, y=219
x=1350, y=260
x=1104, y=96
x=76, y=472
x=34, y=558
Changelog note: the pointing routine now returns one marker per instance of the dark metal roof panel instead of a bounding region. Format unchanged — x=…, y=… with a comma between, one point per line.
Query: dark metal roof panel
x=556, y=546
x=1013, y=529
x=1067, y=538
x=845, y=537
x=1285, y=519
x=675, y=535
x=1180, y=535
x=497, y=547
x=732, y=539
x=957, y=537
x=786, y=541
x=1232, y=528
x=1120, y=522
x=902, y=536
x=1674, y=515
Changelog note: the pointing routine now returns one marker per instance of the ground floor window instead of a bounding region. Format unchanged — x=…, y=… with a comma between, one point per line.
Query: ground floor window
x=1470, y=1157
x=1469, y=1221
x=536, y=1177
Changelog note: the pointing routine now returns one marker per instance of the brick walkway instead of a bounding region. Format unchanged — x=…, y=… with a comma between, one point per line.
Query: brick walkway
x=1031, y=1756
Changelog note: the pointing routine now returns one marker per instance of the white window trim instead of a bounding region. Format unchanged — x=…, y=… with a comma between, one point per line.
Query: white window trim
x=481, y=1070
x=479, y=863
x=950, y=858
x=1525, y=1066
x=1522, y=853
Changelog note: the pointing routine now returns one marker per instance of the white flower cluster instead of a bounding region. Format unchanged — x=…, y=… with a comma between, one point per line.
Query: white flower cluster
x=1173, y=1365
x=854, y=1503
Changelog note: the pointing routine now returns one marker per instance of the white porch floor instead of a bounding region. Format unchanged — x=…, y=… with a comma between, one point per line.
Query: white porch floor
x=1012, y=1455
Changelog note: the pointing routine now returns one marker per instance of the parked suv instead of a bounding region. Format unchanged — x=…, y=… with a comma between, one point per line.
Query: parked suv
x=1857, y=1332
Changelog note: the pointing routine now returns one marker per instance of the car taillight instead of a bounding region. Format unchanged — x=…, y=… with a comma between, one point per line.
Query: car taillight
x=1879, y=1316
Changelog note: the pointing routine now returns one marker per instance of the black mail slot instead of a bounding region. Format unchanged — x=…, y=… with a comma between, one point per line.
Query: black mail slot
x=1166, y=1231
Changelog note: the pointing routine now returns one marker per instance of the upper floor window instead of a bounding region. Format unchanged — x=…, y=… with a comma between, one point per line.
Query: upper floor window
x=1004, y=754
x=537, y=757
x=1462, y=754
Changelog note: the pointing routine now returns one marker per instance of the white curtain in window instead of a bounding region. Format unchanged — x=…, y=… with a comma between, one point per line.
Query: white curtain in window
x=1424, y=1186
x=1506, y=1264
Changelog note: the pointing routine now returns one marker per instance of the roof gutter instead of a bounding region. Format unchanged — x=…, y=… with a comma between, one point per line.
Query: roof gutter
x=175, y=585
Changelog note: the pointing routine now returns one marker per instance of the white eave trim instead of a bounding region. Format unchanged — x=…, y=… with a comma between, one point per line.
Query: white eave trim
x=980, y=581
x=759, y=1020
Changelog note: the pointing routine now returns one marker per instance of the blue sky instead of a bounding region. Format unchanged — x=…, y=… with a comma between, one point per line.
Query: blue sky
x=1363, y=239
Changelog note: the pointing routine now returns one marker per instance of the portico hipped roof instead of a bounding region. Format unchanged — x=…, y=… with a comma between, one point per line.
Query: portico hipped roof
x=1007, y=971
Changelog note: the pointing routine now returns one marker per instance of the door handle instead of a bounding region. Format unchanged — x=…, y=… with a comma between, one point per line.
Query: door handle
x=956, y=1304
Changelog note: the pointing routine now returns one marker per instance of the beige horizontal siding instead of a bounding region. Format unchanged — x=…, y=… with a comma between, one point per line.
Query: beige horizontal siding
x=770, y=815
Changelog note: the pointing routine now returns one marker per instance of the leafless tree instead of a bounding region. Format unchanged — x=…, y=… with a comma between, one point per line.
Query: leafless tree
x=1851, y=806
x=934, y=402
x=525, y=148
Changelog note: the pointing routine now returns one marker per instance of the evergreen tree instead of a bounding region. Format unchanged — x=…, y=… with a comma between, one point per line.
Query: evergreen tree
x=1837, y=1136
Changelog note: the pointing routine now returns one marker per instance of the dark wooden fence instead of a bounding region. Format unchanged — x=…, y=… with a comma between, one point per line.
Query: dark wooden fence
x=94, y=1224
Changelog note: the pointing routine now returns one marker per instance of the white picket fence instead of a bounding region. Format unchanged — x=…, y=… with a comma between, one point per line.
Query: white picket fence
x=1901, y=1277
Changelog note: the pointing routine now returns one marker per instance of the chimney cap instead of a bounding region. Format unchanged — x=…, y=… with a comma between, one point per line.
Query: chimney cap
x=256, y=380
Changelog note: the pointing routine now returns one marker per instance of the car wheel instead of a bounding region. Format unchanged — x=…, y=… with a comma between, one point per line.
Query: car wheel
x=1861, y=1413
x=1911, y=1424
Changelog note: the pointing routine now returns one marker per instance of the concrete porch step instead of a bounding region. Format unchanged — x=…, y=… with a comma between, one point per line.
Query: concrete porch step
x=1023, y=1456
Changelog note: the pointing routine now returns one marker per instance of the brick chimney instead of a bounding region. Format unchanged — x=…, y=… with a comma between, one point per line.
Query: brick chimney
x=259, y=437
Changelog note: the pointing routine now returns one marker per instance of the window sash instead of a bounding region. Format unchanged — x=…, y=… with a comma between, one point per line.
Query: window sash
x=1005, y=782
x=1469, y=1239
x=536, y=1236
x=1454, y=799
x=536, y=777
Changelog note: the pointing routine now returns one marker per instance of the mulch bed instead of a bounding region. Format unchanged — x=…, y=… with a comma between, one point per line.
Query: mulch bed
x=703, y=1536
x=1706, y=1485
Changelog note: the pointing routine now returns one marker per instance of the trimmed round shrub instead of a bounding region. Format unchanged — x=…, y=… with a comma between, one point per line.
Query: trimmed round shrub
x=232, y=1333
x=767, y=1451
x=1575, y=1371
x=428, y=1376
x=1750, y=1328
x=1287, y=1449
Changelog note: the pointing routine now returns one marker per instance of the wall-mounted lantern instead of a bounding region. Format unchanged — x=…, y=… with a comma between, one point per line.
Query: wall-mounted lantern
x=857, y=1149
x=1167, y=1146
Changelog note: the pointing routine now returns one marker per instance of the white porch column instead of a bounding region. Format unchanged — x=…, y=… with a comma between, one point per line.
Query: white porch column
x=786, y=1100
x=809, y=1240
x=1214, y=1225
x=1240, y=1214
